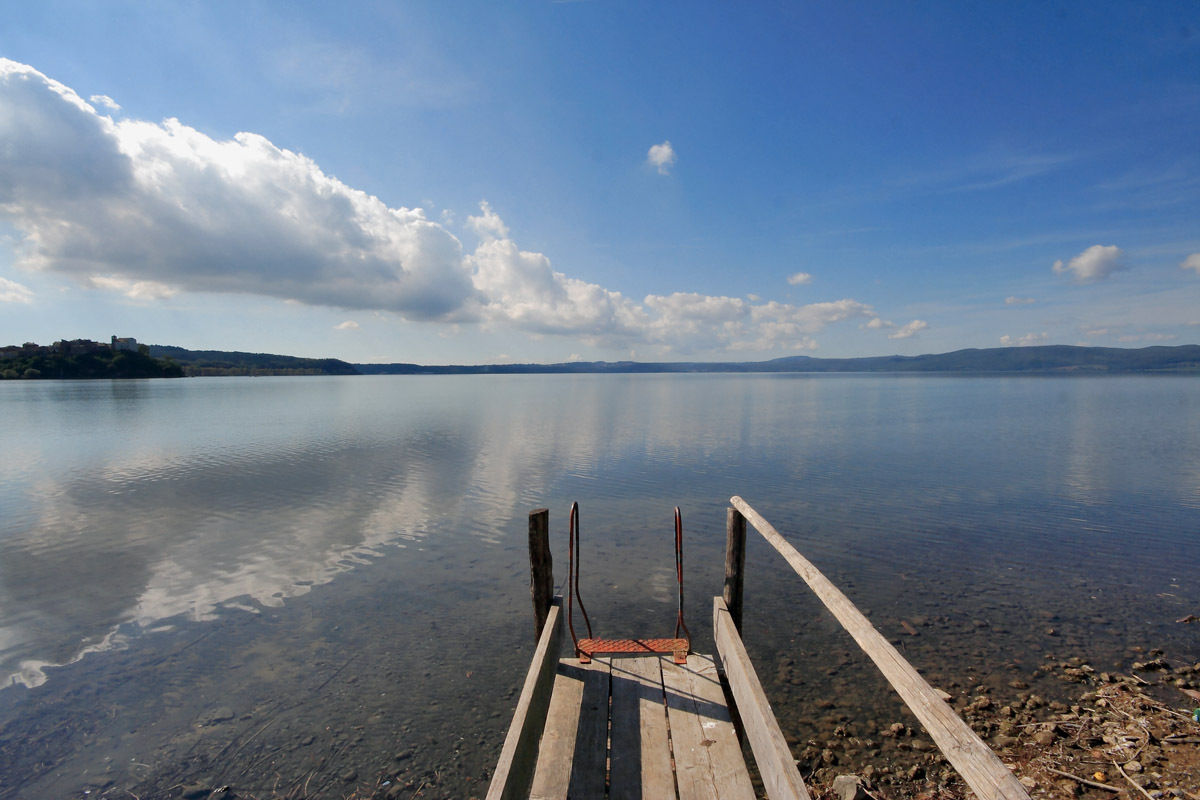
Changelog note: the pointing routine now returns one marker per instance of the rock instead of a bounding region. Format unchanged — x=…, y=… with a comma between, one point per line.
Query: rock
x=1070, y=788
x=349, y=775
x=1044, y=738
x=848, y=787
x=222, y=714
x=1133, y=766
x=194, y=791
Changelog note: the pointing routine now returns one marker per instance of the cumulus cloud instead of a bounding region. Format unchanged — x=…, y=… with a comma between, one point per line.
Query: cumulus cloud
x=1146, y=337
x=13, y=292
x=150, y=209
x=1028, y=340
x=661, y=157
x=348, y=325
x=909, y=330
x=1094, y=264
x=1018, y=301
x=799, y=278
x=137, y=290
x=906, y=331
x=104, y=100
x=164, y=203
x=1191, y=262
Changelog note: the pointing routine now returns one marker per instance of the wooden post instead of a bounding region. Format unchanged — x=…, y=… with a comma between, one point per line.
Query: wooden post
x=735, y=563
x=541, y=567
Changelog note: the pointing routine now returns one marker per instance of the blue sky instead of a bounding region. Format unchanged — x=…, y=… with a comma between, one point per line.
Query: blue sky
x=546, y=181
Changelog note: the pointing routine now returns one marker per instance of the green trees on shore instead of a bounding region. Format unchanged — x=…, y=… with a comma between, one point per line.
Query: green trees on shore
x=96, y=364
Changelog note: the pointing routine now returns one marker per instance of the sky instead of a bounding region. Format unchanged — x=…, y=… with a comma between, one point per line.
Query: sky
x=482, y=182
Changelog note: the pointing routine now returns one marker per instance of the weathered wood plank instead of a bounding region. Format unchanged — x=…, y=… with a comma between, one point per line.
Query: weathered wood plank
x=518, y=756
x=975, y=762
x=557, y=754
x=708, y=758
x=588, y=772
x=640, y=754
x=735, y=563
x=780, y=777
x=541, y=567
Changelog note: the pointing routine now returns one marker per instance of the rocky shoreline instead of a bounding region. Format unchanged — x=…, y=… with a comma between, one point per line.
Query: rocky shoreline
x=1118, y=735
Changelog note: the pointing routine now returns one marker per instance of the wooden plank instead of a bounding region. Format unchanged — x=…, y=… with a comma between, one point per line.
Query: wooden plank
x=977, y=764
x=735, y=563
x=518, y=756
x=541, y=567
x=640, y=753
x=553, y=774
x=780, y=777
x=708, y=758
x=588, y=772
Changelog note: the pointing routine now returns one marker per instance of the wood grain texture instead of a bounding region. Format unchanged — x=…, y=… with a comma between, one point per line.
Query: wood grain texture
x=708, y=758
x=641, y=752
x=772, y=755
x=518, y=755
x=588, y=772
x=735, y=563
x=541, y=567
x=552, y=776
x=975, y=762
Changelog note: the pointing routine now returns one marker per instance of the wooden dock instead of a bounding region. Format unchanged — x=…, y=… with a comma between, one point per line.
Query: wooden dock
x=642, y=726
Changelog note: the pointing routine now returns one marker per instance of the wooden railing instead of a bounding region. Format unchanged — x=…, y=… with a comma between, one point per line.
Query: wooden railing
x=976, y=763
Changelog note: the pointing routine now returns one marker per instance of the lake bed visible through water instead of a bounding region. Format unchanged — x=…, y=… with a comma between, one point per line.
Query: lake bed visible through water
x=313, y=586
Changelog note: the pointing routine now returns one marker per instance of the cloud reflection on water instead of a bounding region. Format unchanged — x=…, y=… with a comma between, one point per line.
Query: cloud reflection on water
x=125, y=509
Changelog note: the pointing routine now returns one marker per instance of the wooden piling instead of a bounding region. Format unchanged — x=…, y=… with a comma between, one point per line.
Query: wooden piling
x=735, y=563
x=541, y=568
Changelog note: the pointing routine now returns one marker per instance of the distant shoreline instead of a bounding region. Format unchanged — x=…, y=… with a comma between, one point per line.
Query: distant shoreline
x=1066, y=360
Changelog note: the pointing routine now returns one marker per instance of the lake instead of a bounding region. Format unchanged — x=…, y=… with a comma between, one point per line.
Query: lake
x=320, y=585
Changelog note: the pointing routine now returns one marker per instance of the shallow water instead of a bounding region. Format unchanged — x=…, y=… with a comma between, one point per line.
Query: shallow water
x=272, y=583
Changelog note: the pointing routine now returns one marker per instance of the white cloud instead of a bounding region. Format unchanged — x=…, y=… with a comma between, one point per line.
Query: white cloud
x=150, y=209
x=348, y=325
x=1191, y=262
x=909, y=330
x=1018, y=301
x=104, y=100
x=1028, y=340
x=661, y=157
x=879, y=323
x=1094, y=264
x=137, y=290
x=166, y=204
x=13, y=292
x=1146, y=337
x=799, y=278
x=488, y=224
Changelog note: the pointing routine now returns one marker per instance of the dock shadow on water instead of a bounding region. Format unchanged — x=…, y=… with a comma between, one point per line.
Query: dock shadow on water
x=318, y=587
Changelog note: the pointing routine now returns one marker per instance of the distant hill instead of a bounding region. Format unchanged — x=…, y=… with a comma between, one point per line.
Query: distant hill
x=220, y=362
x=1048, y=359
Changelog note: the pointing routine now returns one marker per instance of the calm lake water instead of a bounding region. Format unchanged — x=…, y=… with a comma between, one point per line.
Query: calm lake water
x=320, y=585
